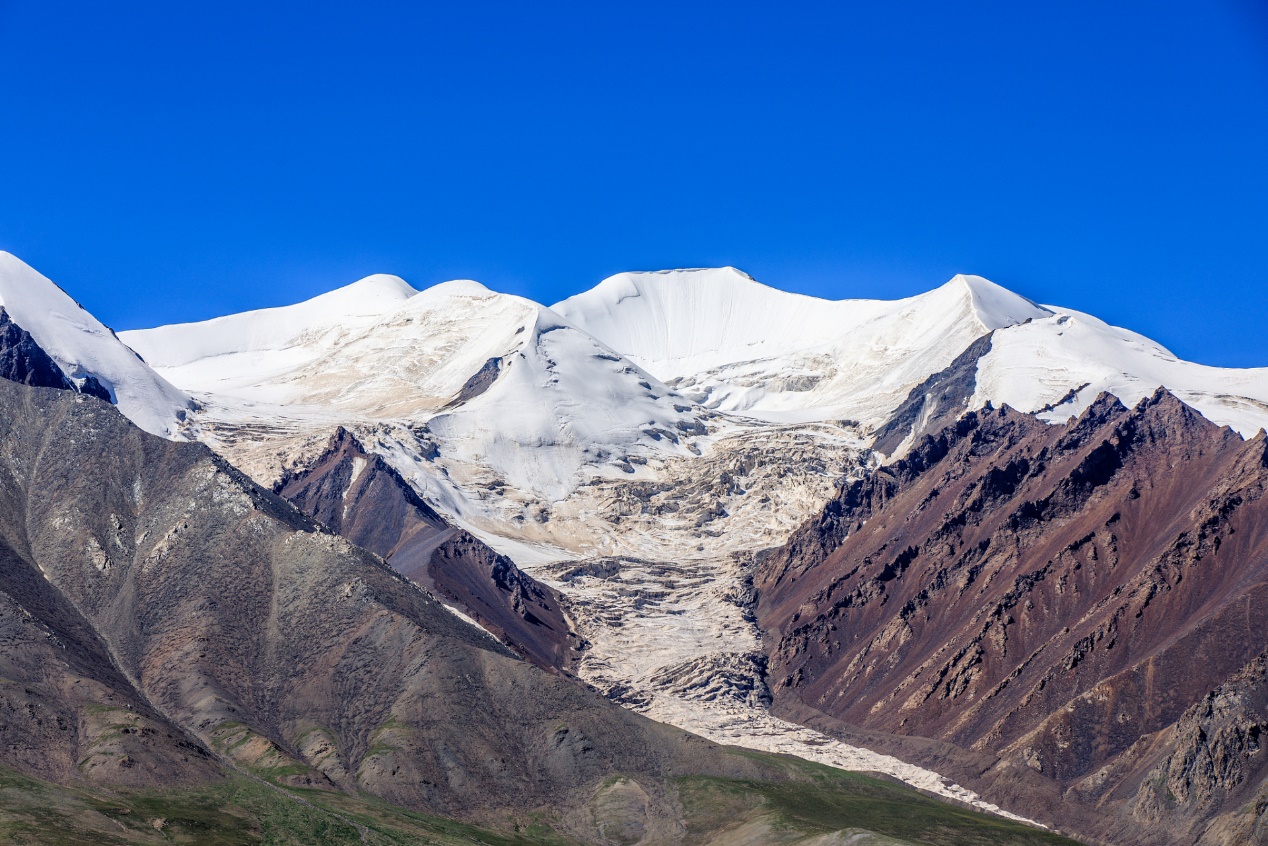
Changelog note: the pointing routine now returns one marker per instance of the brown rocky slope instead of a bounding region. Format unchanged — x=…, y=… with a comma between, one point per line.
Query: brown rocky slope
x=358, y=495
x=1061, y=597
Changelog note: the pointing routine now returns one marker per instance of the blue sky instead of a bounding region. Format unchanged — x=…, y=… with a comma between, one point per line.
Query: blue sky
x=174, y=161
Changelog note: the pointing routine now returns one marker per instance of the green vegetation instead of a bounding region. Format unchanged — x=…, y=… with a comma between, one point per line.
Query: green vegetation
x=236, y=812
x=242, y=811
x=818, y=800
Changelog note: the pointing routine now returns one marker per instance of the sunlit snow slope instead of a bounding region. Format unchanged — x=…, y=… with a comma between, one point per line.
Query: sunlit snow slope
x=83, y=347
x=739, y=346
x=500, y=381
x=1036, y=366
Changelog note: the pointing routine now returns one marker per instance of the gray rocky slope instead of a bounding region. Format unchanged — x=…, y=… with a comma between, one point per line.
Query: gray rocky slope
x=360, y=496
x=149, y=584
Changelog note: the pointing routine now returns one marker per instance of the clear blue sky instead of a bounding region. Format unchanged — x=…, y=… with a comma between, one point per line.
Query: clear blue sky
x=174, y=161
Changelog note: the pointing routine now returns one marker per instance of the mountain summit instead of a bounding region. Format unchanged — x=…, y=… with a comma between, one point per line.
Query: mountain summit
x=82, y=348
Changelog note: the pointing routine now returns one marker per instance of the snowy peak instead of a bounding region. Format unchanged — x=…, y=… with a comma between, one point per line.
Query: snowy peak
x=713, y=337
x=461, y=288
x=738, y=346
x=735, y=345
x=376, y=292
x=375, y=349
x=82, y=347
x=503, y=383
x=723, y=282
x=995, y=306
x=1056, y=366
x=680, y=322
x=271, y=329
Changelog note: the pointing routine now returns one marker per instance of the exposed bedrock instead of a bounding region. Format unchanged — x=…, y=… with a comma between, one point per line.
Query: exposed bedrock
x=1058, y=596
x=23, y=360
x=358, y=495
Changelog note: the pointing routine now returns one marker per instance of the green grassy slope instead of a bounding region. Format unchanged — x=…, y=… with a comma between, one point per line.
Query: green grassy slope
x=818, y=806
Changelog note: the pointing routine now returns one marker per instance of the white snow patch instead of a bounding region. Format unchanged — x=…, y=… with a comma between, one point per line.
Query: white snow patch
x=1035, y=366
x=83, y=347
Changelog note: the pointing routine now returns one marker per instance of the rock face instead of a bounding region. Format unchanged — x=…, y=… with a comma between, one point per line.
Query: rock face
x=1063, y=597
x=358, y=495
x=1217, y=762
x=164, y=618
x=934, y=403
x=23, y=360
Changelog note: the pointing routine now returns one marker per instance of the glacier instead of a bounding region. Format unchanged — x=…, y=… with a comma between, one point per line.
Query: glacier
x=634, y=446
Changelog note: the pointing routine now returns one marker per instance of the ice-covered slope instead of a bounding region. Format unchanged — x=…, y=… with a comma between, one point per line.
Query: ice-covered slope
x=267, y=354
x=497, y=380
x=1060, y=364
x=83, y=347
x=739, y=346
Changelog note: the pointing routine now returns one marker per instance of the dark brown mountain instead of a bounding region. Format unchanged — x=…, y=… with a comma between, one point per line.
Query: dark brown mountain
x=1060, y=597
x=358, y=495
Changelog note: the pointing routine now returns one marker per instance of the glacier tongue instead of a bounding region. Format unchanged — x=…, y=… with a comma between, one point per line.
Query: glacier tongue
x=672, y=641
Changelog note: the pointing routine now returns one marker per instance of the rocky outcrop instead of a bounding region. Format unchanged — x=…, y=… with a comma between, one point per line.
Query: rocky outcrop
x=936, y=402
x=1057, y=596
x=22, y=360
x=478, y=383
x=358, y=495
x=1218, y=760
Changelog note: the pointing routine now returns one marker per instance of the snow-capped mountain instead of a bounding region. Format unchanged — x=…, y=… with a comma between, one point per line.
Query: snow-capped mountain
x=739, y=346
x=636, y=446
x=501, y=382
x=82, y=347
x=736, y=345
x=1058, y=365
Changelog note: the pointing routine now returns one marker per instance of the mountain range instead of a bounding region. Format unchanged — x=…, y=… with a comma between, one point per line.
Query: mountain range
x=422, y=545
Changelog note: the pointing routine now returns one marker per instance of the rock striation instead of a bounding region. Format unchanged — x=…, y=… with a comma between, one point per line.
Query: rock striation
x=1063, y=597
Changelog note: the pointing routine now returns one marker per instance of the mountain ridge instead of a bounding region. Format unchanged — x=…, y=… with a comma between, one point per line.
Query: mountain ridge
x=84, y=348
x=638, y=478
x=1055, y=595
